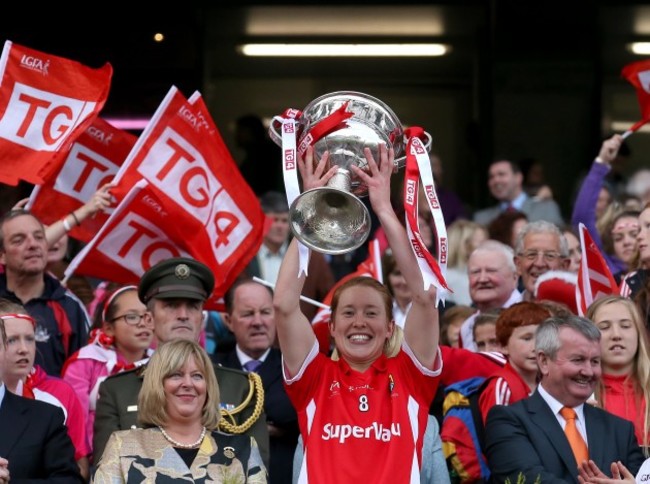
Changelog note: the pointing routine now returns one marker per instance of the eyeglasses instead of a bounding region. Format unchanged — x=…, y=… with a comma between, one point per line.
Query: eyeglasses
x=132, y=319
x=532, y=255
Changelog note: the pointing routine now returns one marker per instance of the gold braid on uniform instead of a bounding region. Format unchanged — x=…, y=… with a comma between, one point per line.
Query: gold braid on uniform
x=229, y=425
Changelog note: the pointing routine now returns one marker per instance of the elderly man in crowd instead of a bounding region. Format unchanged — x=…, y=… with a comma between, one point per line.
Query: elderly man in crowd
x=540, y=247
x=492, y=283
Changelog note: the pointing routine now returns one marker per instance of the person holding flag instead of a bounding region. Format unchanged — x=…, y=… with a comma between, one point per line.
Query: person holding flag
x=619, y=235
x=366, y=403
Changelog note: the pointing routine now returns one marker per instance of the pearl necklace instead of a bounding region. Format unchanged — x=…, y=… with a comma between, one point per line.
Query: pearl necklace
x=175, y=443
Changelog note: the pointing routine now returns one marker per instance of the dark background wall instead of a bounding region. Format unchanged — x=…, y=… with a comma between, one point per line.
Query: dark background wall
x=523, y=79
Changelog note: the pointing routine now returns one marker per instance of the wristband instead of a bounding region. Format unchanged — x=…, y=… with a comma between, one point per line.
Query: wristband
x=76, y=220
x=598, y=159
x=66, y=224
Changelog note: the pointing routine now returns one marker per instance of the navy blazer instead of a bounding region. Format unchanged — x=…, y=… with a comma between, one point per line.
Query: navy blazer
x=35, y=441
x=527, y=438
x=279, y=412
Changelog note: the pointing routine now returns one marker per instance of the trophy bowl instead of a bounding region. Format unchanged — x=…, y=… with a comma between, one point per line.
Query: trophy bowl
x=332, y=219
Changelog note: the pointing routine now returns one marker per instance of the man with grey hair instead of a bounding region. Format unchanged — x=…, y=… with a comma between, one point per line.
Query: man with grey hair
x=540, y=247
x=544, y=438
x=492, y=283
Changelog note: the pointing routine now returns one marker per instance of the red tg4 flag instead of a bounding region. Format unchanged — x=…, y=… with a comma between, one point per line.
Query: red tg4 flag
x=638, y=74
x=595, y=280
x=138, y=234
x=46, y=102
x=183, y=157
x=91, y=162
x=142, y=231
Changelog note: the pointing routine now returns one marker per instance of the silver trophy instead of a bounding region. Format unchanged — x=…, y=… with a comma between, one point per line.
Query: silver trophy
x=332, y=219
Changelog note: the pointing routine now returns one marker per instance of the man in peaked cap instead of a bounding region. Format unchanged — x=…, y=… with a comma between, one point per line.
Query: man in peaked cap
x=174, y=291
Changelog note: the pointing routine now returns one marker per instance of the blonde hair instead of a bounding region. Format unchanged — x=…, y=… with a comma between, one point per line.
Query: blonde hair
x=459, y=235
x=167, y=359
x=392, y=344
x=641, y=369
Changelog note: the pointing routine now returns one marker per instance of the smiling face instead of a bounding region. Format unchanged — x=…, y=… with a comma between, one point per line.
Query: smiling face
x=21, y=349
x=251, y=319
x=571, y=377
x=546, y=247
x=491, y=279
x=360, y=326
x=620, y=339
x=504, y=184
x=185, y=392
x=25, y=246
x=176, y=318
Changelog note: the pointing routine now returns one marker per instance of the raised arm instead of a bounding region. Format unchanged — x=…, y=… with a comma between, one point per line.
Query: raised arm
x=421, y=330
x=295, y=333
x=584, y=208
x=100, y=200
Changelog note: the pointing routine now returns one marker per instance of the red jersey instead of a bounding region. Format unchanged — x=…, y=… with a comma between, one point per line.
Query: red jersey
x=505, y=387
x=362, y=427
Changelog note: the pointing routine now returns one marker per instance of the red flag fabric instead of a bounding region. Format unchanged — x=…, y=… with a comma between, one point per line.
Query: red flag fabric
x=141, y=232
x=46, y=102
x=183, y=157
x=371, y=267
x=92, y=161
x=638, y=74
x=595, y=280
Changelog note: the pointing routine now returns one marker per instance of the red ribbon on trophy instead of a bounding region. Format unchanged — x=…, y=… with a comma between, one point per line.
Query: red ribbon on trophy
x=418, y=167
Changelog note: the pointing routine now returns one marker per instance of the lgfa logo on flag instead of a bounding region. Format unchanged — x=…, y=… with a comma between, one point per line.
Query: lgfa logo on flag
x=35, y=64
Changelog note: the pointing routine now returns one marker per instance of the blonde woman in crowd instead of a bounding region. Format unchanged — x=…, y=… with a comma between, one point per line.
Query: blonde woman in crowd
x=623, y=389
x=179, y=408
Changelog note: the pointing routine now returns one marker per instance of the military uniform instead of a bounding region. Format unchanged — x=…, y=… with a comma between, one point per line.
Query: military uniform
x=241, y=396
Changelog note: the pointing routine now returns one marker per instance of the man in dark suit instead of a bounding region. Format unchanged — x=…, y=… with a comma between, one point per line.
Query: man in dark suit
x=174, y=291
x=529, y=437
x=34, y=442
x=249, y=315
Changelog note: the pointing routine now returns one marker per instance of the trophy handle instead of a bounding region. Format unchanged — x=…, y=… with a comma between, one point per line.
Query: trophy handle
x=275, y=132
x=428, y=141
